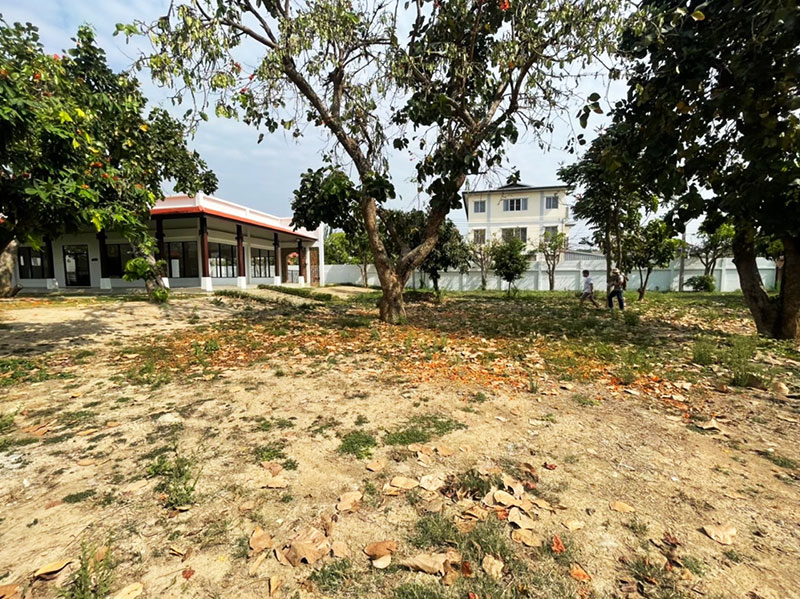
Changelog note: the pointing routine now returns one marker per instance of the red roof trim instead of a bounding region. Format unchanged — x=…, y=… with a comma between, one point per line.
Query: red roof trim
x=202, y=210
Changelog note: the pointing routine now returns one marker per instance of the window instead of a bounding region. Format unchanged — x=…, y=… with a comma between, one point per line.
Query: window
x=479, y=236
x=261, y=262
x=33, y=264
x=118, y=256
x=515, y=205
x=181, y=257
x=520, y=233
x=551, y=231
x=551, y=202
x=222, y=260
x=479, y=206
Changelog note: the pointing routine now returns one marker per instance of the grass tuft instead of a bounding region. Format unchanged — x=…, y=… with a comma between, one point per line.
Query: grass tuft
x=422, y=429
x=357, y=443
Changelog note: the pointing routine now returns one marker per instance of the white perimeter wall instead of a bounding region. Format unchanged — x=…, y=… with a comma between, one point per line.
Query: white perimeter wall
x=568, y=276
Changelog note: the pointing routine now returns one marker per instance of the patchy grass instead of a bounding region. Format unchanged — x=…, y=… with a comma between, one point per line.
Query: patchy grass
x=178, y=476
x=94, y=577
x=78, y=497
x=357, y=443
x=14, y=371
x=332, y=576
x=779, y=459
x=422, y=429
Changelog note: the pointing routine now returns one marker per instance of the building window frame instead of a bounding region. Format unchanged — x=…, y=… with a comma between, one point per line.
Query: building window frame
x=114, y=259
x=551, y=202
x=32, y=263
x=223, y=260
x=479, y=207
x=479, y=236
x=553, y=230
x=188, y=264
x=262, y=263
x=520, y=233
x=515, y=204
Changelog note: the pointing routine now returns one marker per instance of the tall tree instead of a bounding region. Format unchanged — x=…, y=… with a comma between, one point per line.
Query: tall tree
x=511, y=260
x=654, y=247
x=481, y=256
x=551, y=247
x=711, y=120
x=713, y=244
x=78, y=148
x=472, y=72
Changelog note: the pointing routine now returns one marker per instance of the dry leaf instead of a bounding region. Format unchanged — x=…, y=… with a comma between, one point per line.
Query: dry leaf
x=307, y=547
x=187, y=573
x=505, y=499
x=405, y=483
x=620, y=506
x=493, y=567
x=339, y=549
x=328, y=523
x=377, y=465
x=558, y=545
x=274, y=467
x=476, y=512
x=389, y=490
x=573, y=525
x=549, y=466
x=258, y=561
x=431, y=482
x=247, y=506
x=431, y=563
x=709, y=426
x=527, y=538
x=86, y=432
x=348, y=502
x=260, y=540
x=382, y=562
x=443, y=450
x=579, y=573
x=425, y=459
x=722, y=534
x=274, y=584
x=131, y=591
x=49, y=571
x=280, y=556
x=518, y=518
x=86, y=462
x=379, y=549
x=10, y=591
x=276, y=482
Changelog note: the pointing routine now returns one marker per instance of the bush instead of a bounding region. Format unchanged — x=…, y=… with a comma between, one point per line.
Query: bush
x=703, y=352
x=701, y=283
x=300, y=291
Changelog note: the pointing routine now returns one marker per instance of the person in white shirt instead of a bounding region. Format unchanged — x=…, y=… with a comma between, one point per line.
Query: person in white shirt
x=588, y=289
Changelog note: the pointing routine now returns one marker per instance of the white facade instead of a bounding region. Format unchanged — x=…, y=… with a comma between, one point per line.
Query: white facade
x=206, y=242
x=520, y=210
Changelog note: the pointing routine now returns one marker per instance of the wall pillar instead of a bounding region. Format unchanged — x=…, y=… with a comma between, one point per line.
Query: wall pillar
x=205, y=279
x=301, y=264
x=52, y=283
x=105, y=279
x=241, y=279
x=722, y=273
x=277, y=245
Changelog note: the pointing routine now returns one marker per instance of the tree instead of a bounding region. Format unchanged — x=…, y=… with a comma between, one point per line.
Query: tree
x=451, y=252
x=714, y=244
x=510, y=260
x=77, y=149
x=551, y=247
x=655, y=247
x=349, y=248
x=613, y=199
x=711, y=119
x=481, y=256
x=471, y=74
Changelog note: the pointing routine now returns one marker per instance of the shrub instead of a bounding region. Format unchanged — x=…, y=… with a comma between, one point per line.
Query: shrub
x=300, y=292
x=93, y=578
x=178, y=479
x=703, y=352
x=701, y=283
x=739, y=360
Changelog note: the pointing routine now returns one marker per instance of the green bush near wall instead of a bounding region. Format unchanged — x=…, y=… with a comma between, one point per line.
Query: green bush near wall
x=300, y=291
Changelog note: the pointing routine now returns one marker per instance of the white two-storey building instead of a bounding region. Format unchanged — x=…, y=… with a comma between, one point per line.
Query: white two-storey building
x=517, y=210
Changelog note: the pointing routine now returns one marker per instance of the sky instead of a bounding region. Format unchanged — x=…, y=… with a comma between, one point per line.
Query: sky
x=263, y=176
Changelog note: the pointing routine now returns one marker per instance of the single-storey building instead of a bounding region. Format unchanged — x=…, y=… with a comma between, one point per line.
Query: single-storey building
x=205, y=241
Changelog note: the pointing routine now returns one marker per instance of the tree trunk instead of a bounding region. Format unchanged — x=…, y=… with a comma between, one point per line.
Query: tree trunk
x=364, y=279
x=8, y=261
x=435, y=281
x=777, y=317
x=643, y=283
x=551, y=278
x=391, y=307
x=608, y=259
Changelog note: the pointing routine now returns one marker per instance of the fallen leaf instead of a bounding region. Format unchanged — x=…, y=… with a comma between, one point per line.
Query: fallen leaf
x=527, y=538
x=379, y=549
x=377, y=465
x=49, y=571
x=280, y=556
x=443, y=450
x=573, y=525
x=86, y=433
x=405, y=483
x=722, y=534
x=348, y=502
x=307, y=547
x=466, y=570
x=431, y=563
x=339, y=549
x=620, y=506
x=558, y=545
x=493, y=567
x=506, y=499
x=260, y=540
x=276, y=482
x=709, y=426
x=10, y=591
x=86, y=462
x=519, y=519
x=431, y=482
x=274, y=584
x=451, y=575
x=476, y=512
x=382, y=562
x=131, y=591
x=255, y=565
x=328, y=524
x=247, y=506
x=187, y=573
x=579, y=573
x=549, y=466
x=274, y=467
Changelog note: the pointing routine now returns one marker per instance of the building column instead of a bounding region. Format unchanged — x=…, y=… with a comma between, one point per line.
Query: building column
x=105, y=279
x=52, y=283
x=241, y=279
x=205, y=279
x=277, y=246
x=160, y=238
x=301, y=264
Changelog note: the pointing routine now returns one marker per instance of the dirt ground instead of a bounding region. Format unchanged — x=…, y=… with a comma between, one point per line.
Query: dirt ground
x=626, y=476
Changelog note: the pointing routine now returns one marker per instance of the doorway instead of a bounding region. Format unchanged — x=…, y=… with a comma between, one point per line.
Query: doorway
x=76, y=265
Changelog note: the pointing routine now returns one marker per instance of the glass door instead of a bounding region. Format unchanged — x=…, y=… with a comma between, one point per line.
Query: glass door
x=76, y=265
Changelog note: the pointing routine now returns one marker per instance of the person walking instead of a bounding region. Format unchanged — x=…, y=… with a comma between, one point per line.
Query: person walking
x=588, y=289
x=617, y=287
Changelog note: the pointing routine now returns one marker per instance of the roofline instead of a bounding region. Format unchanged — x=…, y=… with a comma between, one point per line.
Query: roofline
x=190, y=210
x=520, y=188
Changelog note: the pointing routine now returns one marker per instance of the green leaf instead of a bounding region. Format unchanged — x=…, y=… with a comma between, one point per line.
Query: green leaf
x=698, y=15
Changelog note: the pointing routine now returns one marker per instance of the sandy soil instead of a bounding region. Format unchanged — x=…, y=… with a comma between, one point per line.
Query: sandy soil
x=102, y=430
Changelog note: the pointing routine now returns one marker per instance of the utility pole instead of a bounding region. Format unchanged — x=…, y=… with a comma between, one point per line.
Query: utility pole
x=683, y=260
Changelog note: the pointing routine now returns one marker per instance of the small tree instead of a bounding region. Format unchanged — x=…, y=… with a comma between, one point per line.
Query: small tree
x=450, y=252
x=714, y=244
x=481, y=256
x=349, y=248
x=551, y=246
x=510, y=260
x=655, y=247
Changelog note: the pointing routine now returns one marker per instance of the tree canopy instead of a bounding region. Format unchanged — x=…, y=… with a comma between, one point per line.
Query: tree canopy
x=77, y=147
x=510, y=259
